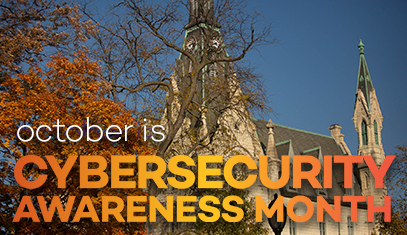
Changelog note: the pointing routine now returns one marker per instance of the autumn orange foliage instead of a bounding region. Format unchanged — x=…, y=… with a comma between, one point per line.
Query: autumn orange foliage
x=68, y=90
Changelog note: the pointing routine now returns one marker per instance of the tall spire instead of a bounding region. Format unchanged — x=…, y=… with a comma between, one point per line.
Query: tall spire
x=368, y=121
x=364, y=80
x=201, y=11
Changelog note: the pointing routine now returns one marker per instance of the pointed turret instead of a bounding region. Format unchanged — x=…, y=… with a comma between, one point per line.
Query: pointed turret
x=271, y=146
x=364, y=80
x=367, y=115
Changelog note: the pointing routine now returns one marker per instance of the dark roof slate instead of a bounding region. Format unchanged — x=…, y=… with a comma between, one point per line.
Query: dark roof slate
x=300, y=139
x=310, y=143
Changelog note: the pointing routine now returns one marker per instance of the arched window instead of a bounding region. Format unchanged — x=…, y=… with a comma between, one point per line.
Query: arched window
x=376, y=133
x=364, y=133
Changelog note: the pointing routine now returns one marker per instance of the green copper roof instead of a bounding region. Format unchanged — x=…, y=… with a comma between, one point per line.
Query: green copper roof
x=364, y=80
x=283, y=142
x=310, y=150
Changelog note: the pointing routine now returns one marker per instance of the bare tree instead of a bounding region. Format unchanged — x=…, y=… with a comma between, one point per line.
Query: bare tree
x=205, y=96
x=193, y=96
x=139, y=39
x=202, y=97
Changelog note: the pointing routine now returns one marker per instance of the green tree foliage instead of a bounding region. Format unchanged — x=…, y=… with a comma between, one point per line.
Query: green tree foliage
x=246, y=226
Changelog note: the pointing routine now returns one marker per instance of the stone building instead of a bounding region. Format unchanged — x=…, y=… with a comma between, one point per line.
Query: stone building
x=252, y=137
x=285, y=140
x=278, y=140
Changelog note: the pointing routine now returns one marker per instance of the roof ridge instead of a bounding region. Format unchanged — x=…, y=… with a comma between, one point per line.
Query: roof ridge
x=295, y=129
x=308, y=132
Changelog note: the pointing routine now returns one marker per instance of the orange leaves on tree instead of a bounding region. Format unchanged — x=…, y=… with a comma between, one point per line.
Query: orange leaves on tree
x=68, y=90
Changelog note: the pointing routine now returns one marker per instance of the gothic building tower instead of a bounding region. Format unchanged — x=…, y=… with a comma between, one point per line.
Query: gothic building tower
x=204, y=43
x=218, y=106
x=218, y=121
x=368, y=119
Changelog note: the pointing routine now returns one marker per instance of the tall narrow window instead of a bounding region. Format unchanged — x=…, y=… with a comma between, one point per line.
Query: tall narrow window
x=350, y=227
x=322, y=226
x=320, y=177
x=376, y=133
x=364, y=133
x=348, y=191
x=293, y=227
x=365, y=181
x=339, y=228
x=213, y=70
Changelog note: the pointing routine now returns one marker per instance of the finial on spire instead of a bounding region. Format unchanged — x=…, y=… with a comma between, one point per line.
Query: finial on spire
x=270, y=124
x=364, y=80
x=270, y=127
x=361, y=47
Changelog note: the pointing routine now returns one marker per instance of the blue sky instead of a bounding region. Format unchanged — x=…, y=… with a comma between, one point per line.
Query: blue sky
x=311, y=74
